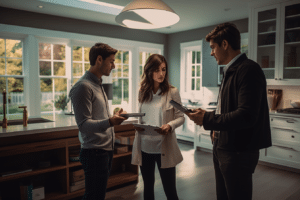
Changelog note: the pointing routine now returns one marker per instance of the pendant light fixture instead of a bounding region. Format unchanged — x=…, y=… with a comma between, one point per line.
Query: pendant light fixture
x=147, y=14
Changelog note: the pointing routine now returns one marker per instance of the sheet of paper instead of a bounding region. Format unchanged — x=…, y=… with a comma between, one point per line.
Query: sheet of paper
x=149, y=129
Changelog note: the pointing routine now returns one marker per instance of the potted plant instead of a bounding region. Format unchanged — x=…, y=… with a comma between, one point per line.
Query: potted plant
x=61, y=102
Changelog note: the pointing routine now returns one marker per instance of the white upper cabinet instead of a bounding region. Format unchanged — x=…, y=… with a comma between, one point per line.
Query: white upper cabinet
x=274, y=40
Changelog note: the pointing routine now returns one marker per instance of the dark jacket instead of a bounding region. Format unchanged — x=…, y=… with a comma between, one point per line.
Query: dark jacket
x=244, y=124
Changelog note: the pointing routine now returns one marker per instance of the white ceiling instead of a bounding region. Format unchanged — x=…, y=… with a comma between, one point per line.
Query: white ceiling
x=193, y=13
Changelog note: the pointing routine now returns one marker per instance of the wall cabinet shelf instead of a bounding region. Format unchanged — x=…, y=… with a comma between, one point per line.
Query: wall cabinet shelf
x=56, y=177
x=274, y=40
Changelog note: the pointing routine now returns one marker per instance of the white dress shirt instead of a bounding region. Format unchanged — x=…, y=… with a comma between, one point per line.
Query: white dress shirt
x=151, y=143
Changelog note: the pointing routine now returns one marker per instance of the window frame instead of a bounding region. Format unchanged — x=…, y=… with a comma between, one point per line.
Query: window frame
x=33, y=36
x=23, y=76
x=122, y=78
x=185, y=71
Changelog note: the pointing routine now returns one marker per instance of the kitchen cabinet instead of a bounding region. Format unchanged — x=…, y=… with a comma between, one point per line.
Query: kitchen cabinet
x=187, y=130
x=202, y=139
x=274, y=40
x=285, y=150
x=25, y=149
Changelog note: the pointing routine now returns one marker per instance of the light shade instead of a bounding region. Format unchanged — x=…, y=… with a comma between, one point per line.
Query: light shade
x=147, y=14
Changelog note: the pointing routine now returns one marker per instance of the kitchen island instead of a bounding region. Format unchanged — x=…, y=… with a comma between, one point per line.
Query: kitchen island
x=23, y=149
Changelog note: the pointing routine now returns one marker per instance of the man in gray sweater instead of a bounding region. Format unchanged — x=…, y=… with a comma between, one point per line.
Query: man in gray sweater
x=95, y=122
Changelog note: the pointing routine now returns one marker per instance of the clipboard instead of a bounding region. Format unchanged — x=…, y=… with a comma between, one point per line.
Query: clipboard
x=149, y=129
x=180, y=107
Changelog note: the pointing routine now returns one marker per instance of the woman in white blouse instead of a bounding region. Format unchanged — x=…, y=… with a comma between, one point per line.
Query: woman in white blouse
x=159, y=146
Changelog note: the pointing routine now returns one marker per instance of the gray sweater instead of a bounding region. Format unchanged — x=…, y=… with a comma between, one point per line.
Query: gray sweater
x=92, y=113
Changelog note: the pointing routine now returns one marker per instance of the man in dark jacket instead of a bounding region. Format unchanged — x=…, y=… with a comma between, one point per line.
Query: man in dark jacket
x=240, y=126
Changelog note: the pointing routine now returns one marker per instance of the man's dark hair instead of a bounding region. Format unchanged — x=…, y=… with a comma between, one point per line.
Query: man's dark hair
x=228, y=32
x=100, y=49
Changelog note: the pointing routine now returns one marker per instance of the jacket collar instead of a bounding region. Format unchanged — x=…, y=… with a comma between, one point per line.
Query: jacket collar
x=237, y=63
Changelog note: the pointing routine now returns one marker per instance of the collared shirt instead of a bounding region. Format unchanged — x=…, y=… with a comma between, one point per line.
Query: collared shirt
x=151, y=142
x=218, y=109
x=92, y=114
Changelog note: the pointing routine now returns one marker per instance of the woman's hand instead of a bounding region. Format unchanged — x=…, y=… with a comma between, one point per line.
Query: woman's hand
x=164, y=129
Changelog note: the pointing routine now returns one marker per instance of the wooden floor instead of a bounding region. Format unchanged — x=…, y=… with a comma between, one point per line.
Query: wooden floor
x=195, y=181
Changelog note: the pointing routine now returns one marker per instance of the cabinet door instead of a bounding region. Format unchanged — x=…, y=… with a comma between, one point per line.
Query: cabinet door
x=290, y=42
x=266, y=39
x=209, y=67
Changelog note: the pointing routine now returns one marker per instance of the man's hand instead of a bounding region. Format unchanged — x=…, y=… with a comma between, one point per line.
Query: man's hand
x=197, y=116
x=117, y=119
x=164, y=129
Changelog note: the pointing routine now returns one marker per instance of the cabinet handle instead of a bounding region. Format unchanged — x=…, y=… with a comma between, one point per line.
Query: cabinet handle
x=283, y=147
x=290, y=121
x=285, y=129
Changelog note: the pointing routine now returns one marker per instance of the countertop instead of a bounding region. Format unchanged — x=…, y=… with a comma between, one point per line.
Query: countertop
x=60, y=122
x=275, y=113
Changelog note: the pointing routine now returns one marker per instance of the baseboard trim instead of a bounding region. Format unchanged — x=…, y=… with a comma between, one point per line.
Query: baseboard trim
x=279, y=166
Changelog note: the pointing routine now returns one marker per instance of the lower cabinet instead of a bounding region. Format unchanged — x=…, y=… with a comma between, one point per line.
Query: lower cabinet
x=281, y=155
x=285, y=149
x=51, y=169
x=202, y=139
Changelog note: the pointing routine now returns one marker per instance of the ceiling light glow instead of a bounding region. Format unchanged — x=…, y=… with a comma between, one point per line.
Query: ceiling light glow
x=145, y=14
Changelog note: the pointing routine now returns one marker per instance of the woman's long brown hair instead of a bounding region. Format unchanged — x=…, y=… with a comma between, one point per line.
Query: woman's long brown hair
x=147, y=84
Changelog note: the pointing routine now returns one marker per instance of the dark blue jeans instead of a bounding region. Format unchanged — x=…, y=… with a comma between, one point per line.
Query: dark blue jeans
x=233, y=173
x=96, y=164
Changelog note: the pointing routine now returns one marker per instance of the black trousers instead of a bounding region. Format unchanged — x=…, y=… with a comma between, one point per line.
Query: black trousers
x=233, y=173
x=96, y=164
x=168, y=177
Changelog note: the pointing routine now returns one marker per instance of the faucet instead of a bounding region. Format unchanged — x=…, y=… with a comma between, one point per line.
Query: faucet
x=4, y=123
x=25, y=118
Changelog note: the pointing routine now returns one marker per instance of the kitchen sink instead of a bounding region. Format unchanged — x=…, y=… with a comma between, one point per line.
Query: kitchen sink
x=30, y=121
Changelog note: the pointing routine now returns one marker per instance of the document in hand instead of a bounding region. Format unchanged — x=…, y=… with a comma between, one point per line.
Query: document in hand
x=180, y=107
x=133, y=115
x=149, y=129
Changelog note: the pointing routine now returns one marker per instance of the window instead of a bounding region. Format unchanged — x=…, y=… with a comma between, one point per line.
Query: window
x=191, y=69
x=244, y=43
x=55, y=60
x=194, y=69
x=53, y=80
x=120, y=81
x=144, y=54
x=12, y=77
x=142, y=61
x=81, y=62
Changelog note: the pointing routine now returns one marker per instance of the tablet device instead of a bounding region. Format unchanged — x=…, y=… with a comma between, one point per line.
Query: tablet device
x=133, y=115
x=180, y=107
